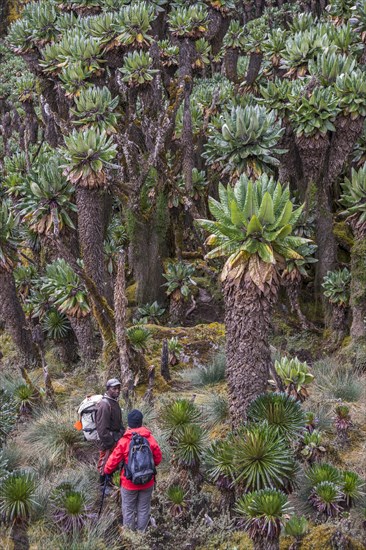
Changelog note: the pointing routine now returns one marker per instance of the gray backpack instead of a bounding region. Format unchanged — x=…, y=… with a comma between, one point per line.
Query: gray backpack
x=86, y=411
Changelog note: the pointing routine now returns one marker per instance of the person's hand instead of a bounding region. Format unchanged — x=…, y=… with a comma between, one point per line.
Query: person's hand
x=108, y=478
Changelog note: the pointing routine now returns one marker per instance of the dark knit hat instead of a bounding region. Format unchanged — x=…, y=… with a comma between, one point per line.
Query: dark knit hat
x=134, y=419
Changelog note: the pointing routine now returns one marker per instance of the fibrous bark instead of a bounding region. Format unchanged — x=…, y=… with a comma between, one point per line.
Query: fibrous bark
x=91, y=218
x=15, y=322
x=84, y=333
x=146, y=261
x=247, y=320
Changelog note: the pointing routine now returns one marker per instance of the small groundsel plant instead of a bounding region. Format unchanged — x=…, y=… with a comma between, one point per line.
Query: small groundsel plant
x=70, y=508
x=265, y=513
x=342, y=423
x=263, y=459
x=138, y=337
x=177, y=414
x=296, y=527
x=150, y=313
x=281, y=411
x=176, y=496
x=333, y=490
x=312, y=450
x=295, y=376
x=174, y=348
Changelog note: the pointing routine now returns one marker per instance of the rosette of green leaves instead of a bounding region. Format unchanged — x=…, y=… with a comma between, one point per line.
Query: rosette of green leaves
x=55, y=324
x=14, y=174
x=262, y=459
x=234, y=37
x=294, y=373
x=94, y=108
x=74, y=78
x=329, y=65
x=255, y=33
x=35, y=28
x=48, y=201
x=76, y=46
x=188, y=22
x=354, y=196
x=26, y=88
x=247, y=140
x=351, y=91
x=169, y=53
x=275, y=95
x=264, y=512
x=66, y=21
x=280, y=411
x=179, y=278
x=202, y=53
x=344, y=39
x=314, y=115
x=302, y=22
x=295, y=267
x=138, y=337
x=340, y=9
x=88, y=154
x=66, y=289
x=42, y=18
x=300, y=48
x=20, y=36
x=138, y=68
x=103, y=27
x=134, y=25
x=336, y=286
x=253, y=219
x=274, y=45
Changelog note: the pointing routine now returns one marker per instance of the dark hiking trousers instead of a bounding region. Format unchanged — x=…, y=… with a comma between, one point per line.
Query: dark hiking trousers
x=136, y=506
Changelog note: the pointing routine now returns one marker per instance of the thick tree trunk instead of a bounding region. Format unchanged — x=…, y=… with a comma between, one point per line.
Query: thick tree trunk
x=293, y=292
x=255, y=62
x=247, y=320
x=325, y=238
x=358, y=289
x=177, y=309
x=66, y=349
x=146, y=261
x=231, y=64
x=84, y=333
x=339, y=324
x=13, y=315
x=91, y=225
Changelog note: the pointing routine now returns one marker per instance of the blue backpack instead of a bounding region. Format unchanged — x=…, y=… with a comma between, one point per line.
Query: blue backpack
x=140, y=468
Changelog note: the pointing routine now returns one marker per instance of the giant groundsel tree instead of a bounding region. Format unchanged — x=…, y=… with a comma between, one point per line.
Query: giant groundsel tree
x=253, y=230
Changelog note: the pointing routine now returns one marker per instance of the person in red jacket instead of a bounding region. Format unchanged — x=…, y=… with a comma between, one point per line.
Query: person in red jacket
x=136, y=499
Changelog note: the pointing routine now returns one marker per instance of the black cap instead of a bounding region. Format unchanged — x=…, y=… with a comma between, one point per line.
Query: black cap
x=134, y=418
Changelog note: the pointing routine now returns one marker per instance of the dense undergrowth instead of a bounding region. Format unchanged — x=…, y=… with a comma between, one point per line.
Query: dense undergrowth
x=307, y=448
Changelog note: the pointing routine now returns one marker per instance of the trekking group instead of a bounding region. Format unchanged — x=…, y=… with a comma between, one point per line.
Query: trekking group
x=134, y=450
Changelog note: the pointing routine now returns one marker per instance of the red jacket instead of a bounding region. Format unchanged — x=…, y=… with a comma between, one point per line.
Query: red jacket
x=120, y=454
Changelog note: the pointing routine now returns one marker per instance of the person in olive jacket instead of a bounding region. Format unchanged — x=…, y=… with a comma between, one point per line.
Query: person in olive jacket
x=136, y=499
x=108, y=422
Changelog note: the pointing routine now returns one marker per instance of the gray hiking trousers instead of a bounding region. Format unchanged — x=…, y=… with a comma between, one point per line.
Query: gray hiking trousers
x=136, y=506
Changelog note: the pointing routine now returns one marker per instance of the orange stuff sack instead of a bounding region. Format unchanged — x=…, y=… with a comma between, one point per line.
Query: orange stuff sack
x=78, y=426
